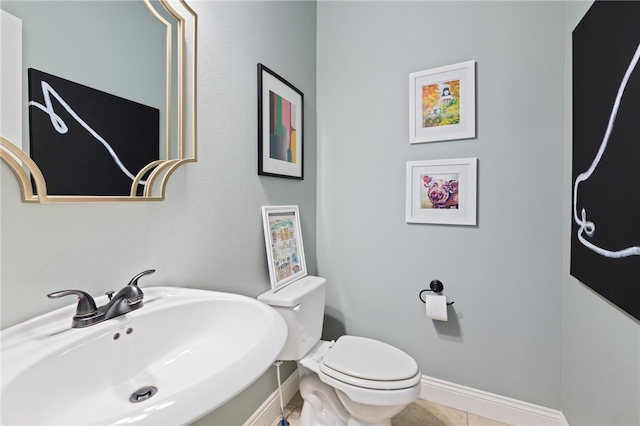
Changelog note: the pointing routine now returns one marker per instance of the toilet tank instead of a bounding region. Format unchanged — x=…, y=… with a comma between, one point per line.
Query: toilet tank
x=301, y=304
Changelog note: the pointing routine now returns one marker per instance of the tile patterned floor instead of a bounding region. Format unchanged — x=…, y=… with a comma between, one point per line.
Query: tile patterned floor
x=419, y=413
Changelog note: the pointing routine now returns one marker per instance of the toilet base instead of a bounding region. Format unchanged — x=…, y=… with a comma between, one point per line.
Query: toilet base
x=368, y=415
x=326, y=406
x=321, y=405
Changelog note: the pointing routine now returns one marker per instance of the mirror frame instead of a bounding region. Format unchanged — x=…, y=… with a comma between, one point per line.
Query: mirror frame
x=25, y=169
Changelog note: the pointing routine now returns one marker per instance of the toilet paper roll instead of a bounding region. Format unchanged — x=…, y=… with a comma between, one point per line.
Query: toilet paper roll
x=436, y=307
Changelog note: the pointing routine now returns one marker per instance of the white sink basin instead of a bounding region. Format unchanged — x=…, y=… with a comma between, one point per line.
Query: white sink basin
x=199, y=348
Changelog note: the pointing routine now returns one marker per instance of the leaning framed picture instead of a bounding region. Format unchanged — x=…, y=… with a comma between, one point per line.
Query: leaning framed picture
x=442, y=103
x=280, y=126
x=283, y=241
x=442, y=191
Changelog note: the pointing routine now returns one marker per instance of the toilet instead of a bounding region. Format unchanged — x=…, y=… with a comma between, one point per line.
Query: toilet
x=354, y=381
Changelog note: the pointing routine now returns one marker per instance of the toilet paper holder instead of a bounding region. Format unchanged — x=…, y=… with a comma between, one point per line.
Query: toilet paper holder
x=436, y=286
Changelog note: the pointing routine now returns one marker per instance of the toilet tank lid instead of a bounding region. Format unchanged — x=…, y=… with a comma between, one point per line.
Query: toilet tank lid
x=293, y=294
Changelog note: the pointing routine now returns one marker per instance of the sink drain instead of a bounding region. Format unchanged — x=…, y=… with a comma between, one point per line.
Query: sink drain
x=143, y=394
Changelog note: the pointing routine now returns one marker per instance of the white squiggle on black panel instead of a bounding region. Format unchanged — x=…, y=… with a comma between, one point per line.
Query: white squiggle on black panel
x=585, y=226
x=60, y=126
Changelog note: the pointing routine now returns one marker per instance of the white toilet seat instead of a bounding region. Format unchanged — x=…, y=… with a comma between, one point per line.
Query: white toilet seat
x=373, y=396
x=364, y=391
x=370, y=364
x=372, y=384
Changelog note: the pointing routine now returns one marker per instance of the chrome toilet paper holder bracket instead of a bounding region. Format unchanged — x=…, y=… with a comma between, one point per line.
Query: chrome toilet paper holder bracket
x=436, y=286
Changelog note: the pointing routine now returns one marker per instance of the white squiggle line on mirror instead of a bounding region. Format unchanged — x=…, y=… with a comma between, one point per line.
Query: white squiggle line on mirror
x=586, y=226
x=61, y=127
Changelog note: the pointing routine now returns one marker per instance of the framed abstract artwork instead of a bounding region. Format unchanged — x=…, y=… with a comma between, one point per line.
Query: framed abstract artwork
x=605, y=233
x=283, y=241
x=442, y=103
x=442, y=191
x=280, y=126
x=75, y=144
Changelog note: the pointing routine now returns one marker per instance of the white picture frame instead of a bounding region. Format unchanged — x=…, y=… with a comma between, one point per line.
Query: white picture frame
x=284, y=246
x=442, y=191
x=442, y=103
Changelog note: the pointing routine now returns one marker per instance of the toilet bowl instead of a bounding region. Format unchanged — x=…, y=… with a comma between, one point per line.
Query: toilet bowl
x=353, y=381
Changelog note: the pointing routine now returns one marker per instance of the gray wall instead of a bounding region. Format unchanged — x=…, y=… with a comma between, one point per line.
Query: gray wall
x=601, y=343
x=208, y=232
x=505, y=275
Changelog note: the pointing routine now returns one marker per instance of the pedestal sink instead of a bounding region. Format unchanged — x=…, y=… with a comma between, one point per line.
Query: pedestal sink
x=185, y=353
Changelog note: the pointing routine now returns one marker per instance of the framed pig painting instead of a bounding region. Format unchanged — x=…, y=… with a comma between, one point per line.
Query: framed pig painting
x=442, y=191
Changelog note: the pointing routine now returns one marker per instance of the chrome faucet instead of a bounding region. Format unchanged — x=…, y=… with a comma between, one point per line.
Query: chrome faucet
x=128, y=299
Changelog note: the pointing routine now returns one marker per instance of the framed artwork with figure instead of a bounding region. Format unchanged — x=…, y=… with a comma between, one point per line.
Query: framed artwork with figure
x=442, y=103
x=280, y=126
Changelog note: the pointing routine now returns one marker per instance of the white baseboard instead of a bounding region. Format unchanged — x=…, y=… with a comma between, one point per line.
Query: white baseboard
x=491, y=406
x=270, y=409
x=463, y=398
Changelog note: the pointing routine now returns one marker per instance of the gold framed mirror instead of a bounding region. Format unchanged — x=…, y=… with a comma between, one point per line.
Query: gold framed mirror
x=177, y=126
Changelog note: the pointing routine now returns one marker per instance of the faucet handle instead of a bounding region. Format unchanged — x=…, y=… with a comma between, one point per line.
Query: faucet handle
x=86, y=304
x=134, y=280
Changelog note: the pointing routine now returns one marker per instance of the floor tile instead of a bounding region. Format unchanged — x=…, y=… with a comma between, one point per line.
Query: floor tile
x=291, y=411
x=418, y=413
x=425, y=413
x=481, y=421
x=296, y=401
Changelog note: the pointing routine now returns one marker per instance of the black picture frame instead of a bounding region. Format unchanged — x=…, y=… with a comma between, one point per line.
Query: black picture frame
x=280, y=126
